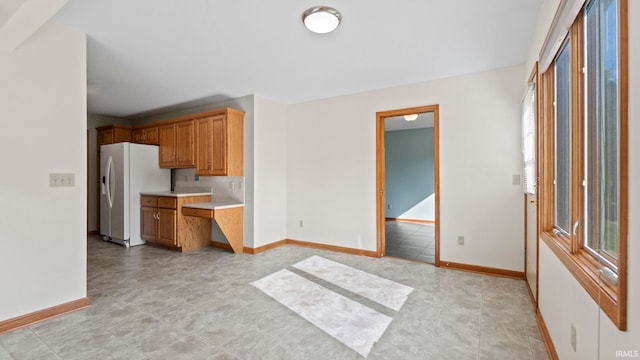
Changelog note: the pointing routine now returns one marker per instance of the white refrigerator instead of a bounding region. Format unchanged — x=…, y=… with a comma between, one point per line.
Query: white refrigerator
x=127, y=169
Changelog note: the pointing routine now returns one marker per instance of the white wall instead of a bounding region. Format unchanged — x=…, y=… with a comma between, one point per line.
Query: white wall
x=562, y=300
x=43, y=229
x=331, y=166
x=270, y=171
x=545, y=17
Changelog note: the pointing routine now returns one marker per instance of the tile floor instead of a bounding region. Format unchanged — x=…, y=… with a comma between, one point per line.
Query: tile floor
x=149, y=303
x=411, y=241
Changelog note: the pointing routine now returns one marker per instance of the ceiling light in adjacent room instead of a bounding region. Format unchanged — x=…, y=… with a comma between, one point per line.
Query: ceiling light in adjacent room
x=411, y=117
x=321, y=19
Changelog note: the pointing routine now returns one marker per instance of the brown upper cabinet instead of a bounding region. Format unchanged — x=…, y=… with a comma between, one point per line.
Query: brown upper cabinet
x=220, y=144
x=147, y=135
x=112, y=134
x=212, y=142
x=177, y=145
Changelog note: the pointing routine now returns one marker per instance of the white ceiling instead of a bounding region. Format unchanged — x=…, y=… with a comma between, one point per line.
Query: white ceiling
x=19, y=19
x=151, y=54
x=395, y=123
x=8, y=8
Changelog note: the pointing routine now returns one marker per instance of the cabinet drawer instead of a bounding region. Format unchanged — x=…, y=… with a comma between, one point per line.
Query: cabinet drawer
x=149, y=201
x=204, y=213
x=167, y=202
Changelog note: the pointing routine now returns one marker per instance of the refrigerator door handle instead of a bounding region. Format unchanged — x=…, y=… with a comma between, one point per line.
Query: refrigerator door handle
x=110, y=172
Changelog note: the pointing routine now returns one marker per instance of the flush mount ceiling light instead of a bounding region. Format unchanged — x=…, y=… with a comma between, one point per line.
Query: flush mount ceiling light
x=321, y=19
x=411, y=117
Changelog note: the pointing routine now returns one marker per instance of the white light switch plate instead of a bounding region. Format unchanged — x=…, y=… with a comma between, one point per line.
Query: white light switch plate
x=515, y=179
x=62, y=180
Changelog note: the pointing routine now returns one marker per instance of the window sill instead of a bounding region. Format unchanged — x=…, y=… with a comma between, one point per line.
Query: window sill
x=586, y=273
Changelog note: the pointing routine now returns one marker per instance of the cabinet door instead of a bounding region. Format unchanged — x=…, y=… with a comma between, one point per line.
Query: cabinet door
x=235, y=144
x=185, y=144
x=105, y=137
x=203, y=146
x=146, y=136
x=151, y=136
x=148, y=223
x=167, y=225
x=121, y=135
x=219, y=146
x=138, y=136
x=167, y=145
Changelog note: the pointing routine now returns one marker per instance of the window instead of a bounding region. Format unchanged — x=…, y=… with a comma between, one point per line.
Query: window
x=529, y=138
x=583, y=167
x=562, y=138
x=601, y=131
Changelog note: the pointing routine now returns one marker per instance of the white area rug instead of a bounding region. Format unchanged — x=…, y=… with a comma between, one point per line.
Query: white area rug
x=355, y=325
x=383, y=291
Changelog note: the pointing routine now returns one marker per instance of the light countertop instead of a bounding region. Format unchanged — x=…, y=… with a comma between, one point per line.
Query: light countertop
x=215, y=205
x=175, y=193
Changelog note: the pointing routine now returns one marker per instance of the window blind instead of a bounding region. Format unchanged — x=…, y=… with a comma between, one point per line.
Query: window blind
x=529, y=139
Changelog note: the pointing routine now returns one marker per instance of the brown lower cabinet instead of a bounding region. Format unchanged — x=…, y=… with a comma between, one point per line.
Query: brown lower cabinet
x=159, y=220
x=162, y=223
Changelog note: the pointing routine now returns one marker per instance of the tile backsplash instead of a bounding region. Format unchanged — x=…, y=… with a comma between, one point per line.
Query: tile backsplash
x=222, y=187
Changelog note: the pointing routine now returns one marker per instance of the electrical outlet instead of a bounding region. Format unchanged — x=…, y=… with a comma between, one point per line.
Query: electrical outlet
x=573, y=337
x=460, y=240
x=62, y=180
x=301, y=223
x=389, y=206
x=239, y=184
x=232, y=185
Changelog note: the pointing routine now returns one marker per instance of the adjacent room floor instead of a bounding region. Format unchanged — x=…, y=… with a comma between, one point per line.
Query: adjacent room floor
x=411, y=241
x=150, y=303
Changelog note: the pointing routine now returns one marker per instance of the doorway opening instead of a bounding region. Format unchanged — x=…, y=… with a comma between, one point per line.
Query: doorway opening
x=407, y=184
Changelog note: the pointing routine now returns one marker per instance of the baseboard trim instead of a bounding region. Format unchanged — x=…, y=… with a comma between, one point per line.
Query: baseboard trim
x=334, y=248
x=92, y=232
x=431, y=222
x=279, y=243
x=266, y=247
x=481, y=269
x=44, y=314
x=534, y=303
x=546, y=337
x=249, y=250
